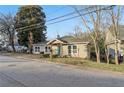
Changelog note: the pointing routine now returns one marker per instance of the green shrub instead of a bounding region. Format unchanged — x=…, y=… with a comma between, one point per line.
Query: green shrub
x=65, y=56
x=46, y=55
x=41, y=52
x=55, y=56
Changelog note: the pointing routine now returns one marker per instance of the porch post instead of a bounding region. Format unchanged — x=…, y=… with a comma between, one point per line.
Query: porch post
x=89, y=50
x=61, y=50
x=51, y=52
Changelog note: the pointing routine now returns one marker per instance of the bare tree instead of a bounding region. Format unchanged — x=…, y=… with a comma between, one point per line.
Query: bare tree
x=78, y=32
x=105, y=46
x=104, y=28
x=92, y=21
x=93, y=27
x=7, y=27
x=115, y=14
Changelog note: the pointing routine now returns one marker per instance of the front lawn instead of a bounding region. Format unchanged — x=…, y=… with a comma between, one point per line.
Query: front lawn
x=88, y=63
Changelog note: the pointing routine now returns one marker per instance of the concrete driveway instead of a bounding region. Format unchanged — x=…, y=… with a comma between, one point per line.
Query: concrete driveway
x=26, y=73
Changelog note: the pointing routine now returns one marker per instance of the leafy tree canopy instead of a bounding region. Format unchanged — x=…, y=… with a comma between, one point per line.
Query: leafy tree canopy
x=30, y=18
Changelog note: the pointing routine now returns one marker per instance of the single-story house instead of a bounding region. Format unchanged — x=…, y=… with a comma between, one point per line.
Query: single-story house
x=110, y=41
x=64, y=46
x=41, y=48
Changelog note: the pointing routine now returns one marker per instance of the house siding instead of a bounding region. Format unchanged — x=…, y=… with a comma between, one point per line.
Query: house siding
x=65, y=50
x=54, y=49
x=83, y=51
x=77, y=49
x=42, y=49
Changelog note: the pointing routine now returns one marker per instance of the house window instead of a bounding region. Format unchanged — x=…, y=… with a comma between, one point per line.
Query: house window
x=37, y=49
x=45, y=49
x=49, y=48
x=74, y=49
x=69, y=49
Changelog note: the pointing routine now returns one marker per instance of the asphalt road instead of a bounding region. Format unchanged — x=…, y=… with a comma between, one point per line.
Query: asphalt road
x=16, y=72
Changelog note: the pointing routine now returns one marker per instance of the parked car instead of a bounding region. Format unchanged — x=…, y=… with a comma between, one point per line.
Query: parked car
x=17, y=48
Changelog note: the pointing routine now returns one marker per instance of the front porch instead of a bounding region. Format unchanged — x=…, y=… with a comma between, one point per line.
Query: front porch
x=56, y=47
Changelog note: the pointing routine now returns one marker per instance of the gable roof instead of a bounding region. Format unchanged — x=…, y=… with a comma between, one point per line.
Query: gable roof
x=72, y=39
x=56, y=41
x=64, y=40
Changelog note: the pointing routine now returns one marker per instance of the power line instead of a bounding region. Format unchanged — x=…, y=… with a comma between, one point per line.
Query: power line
x=50, y=19
x=107, y=8
x=39, y=24
x=34, y=25
x=68, y=14
x=56, y=10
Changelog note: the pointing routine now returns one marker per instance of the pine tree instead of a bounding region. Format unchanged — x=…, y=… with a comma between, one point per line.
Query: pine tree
x=30, y=25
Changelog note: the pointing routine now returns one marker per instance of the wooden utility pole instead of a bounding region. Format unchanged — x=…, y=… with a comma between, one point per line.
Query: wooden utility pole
x=51, y=52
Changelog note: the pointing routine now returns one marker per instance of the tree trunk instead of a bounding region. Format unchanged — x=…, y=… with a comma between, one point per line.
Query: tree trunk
x=13, y=47
x=98, y=55
x=116, y=53
x=107, y=54
x=97, y=52
x=30, y=38
x=11, y=40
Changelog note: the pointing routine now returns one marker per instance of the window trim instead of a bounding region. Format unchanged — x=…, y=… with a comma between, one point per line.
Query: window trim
x=46, y=49
x=75, y=49
x=71, y=49
x=37, y=49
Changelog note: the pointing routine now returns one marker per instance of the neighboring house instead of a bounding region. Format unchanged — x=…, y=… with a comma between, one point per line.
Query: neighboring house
x=65, y=46
x=41, y=48
x=110, y=41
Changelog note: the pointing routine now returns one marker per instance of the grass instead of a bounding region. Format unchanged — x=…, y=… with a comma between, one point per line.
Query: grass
x=32, y=56
x=90, y=64
x=75, y=61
